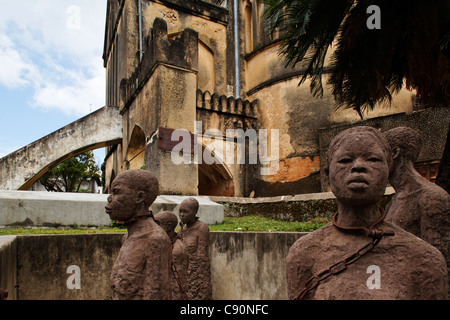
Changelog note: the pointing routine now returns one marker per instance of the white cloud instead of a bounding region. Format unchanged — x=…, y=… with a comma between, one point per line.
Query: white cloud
x=15, y=70
x=83, y=95
x=55, y=47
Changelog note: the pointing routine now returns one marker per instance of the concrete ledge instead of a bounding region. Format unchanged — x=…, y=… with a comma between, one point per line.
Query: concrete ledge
x=301, y=207
x=209, y=212
x=50, y=208
x=287, y=198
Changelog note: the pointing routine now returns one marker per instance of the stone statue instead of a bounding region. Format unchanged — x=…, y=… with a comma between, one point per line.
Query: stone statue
x=358, y=255
x=418, y=206
x=142, y=268
x=195, y=235
x=168, y=221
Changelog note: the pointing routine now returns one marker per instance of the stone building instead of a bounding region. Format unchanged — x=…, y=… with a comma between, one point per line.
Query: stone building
x=210, y=66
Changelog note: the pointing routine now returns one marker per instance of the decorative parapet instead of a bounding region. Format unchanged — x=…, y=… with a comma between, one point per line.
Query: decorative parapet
x=213, y=10
x=227, y=105
x=181, y=52
x=222, y=112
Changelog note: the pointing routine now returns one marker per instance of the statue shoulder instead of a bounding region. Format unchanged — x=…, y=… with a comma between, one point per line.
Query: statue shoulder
x=158, y=237
x=413, y=247
x=310, y=242
x=201, y=226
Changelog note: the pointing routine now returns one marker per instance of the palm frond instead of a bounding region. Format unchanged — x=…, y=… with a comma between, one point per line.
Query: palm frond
x=368, y=66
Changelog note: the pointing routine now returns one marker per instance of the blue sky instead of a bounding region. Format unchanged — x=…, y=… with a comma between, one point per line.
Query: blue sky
x=51, y=68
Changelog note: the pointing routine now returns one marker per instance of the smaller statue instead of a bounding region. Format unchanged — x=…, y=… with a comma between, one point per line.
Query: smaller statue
x=169, y=221
x=195, y=235
x=143, y=265
x=418, y=205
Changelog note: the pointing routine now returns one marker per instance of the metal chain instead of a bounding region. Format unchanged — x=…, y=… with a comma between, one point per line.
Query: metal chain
x=175, y=273
x=177, y=278
x=340, y=266
x=336, y=268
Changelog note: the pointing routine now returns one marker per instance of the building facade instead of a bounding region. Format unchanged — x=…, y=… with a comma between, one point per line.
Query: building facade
x=211, y=70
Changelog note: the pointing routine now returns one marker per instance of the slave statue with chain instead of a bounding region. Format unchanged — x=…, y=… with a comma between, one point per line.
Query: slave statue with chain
x=359, y=255
x=143, y=266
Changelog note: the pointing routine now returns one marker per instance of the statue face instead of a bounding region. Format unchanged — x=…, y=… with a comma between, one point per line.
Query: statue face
x=166, y=221
x=359, y=170
x=187, y=212
x=122, y=201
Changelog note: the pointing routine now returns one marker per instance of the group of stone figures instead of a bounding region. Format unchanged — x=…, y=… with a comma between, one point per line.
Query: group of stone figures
x=155, y=262
x=366, y=252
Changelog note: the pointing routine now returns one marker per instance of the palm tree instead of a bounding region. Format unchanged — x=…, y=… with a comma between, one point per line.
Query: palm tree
x=411, y=50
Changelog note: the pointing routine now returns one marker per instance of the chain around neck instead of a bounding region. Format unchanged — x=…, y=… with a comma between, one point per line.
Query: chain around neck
x=370, y=232
x=149, y=214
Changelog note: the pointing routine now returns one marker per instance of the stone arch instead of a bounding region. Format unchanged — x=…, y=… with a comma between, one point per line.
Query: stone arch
x=22, y=168
x=136, y=149
x=215, y=179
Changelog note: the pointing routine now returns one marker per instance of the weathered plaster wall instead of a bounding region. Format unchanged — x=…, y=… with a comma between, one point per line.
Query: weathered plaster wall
x=43, y=262
x=221, y=117
x=298, y=116
x=250, y=265
x=243, y=265
x=209, y=21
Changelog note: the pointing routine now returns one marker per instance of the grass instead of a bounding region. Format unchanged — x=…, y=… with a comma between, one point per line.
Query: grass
x=246, y=223
x=261, y=223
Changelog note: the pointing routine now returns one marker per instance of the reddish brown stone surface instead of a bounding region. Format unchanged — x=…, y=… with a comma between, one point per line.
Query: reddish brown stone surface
x=168, y=221
x=142, y=268
x=418, y=206
x=293, y=169
x=195, y=235
x=407, y=267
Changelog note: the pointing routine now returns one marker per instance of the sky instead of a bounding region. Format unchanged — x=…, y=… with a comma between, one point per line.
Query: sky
x=51, y=67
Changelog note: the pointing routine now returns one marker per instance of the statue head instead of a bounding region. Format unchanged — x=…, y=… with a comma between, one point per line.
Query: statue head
x=188, y=210
x=359, y=161
x=167, y=220
x=405, y=142
x=132, y=193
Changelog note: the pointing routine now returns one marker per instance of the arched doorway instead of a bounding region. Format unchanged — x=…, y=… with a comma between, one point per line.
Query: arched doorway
x=136, y=149
x=215, y=179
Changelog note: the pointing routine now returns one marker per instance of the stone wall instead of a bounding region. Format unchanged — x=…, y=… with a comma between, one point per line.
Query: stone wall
x=301, y=207
x=220, y=118
x=43, y=262
x=30, y=208
x=244, y=265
